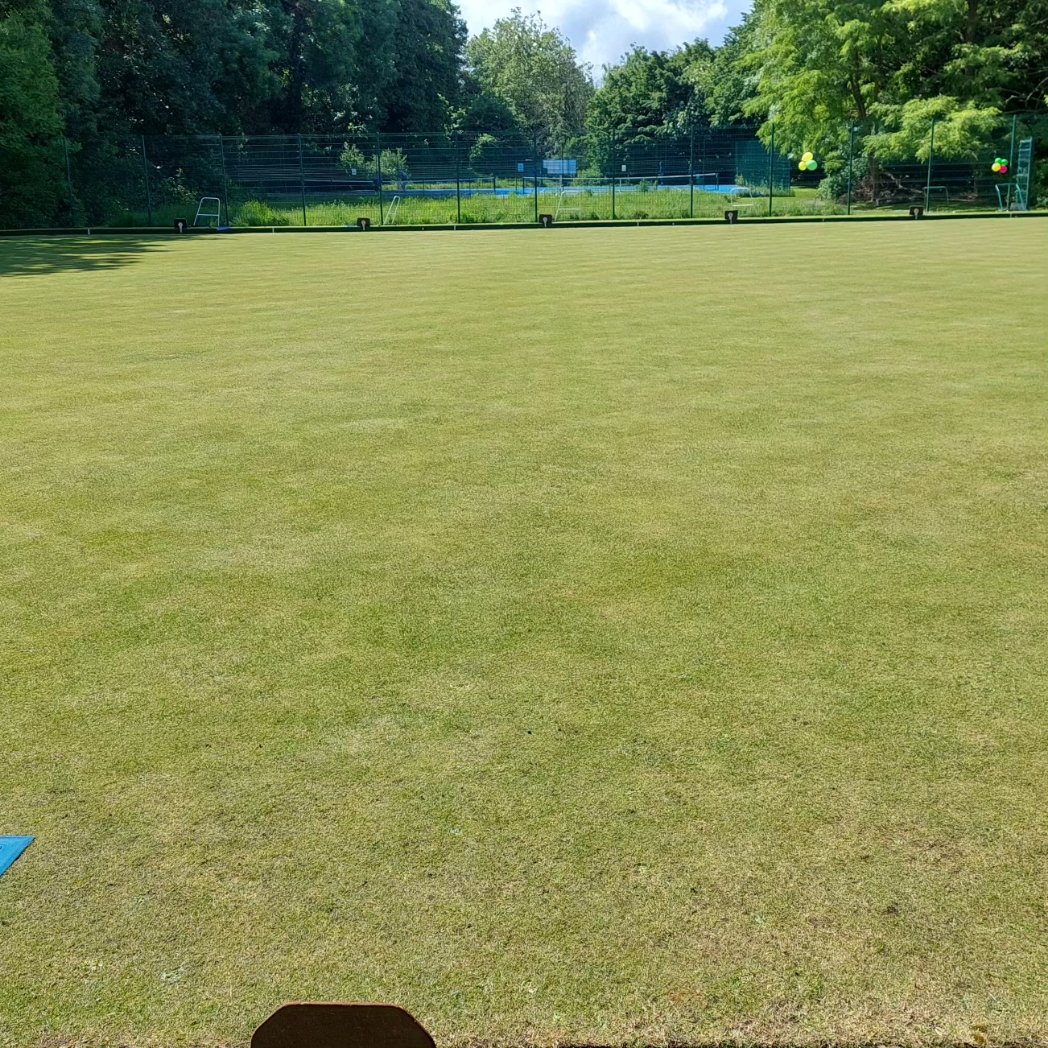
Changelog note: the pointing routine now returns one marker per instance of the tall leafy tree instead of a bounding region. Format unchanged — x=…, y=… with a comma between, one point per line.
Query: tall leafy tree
x=426, y=84
x=728, y=84
x=483, y=113
x=30, y=115
x=534, y=70
x=314, y=45
x=890, y=66
x=651, y=96
x=190, y=67
x=489, y=129
x=76, y=28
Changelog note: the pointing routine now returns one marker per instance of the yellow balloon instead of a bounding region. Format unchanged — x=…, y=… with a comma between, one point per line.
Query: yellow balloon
x=803, y=165
x=995, y=167
x=808, y=156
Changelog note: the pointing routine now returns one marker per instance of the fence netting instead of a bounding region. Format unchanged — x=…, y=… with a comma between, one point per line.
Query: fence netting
x=459, y=179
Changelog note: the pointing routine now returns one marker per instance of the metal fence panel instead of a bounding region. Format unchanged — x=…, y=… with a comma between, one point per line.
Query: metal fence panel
x=455, y=179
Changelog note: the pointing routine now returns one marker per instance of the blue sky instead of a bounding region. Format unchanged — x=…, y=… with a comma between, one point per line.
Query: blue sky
x=602, y=30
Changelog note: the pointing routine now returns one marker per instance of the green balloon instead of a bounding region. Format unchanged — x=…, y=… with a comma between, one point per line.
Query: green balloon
x=812, y=165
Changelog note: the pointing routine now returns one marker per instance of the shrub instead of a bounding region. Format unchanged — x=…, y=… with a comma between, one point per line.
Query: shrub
x=123, y=219
x=835, y=185
x=258, y=213
x=392, y=163
x=176, y=190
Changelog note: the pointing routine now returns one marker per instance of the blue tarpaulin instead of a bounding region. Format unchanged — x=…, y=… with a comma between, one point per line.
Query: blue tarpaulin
x=10, y=849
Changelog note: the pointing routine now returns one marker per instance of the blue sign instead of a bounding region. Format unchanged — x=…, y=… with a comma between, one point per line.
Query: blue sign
x=10, y=849
x=561, y=167
x=520, y=169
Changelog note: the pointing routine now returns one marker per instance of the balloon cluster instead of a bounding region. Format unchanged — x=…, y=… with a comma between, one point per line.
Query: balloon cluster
x=999, y=165
x=808, y=163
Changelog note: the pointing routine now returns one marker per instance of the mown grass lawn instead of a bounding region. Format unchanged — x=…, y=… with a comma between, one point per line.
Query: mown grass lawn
x=584, y=636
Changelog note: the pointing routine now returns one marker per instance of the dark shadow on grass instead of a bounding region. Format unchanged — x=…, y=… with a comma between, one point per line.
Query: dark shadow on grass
x=39, y=257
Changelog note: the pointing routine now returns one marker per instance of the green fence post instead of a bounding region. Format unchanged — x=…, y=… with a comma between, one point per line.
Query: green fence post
x=931, y=156
x=535, y=172
x=302, y=181
x=458, y=179
x=378, y=162
x=691, y=174
x=771, y=168
x=145, y=178
x=1011, y=144
x=225, y=180
x=69, y=181
x=851, y=162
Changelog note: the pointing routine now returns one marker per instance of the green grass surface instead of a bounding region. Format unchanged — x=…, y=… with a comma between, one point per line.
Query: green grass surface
x=597, y=636
x=397, y=209
x=597, y=206
x=481, y=207
x=654, y=203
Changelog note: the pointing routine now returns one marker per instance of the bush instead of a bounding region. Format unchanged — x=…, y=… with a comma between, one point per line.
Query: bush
x=835, y=185
x=124, y=218
x=391, y=162
x=175, y=190
x=258, y=213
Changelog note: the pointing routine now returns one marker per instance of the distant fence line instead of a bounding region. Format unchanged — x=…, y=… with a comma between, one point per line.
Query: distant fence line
x=443, y=178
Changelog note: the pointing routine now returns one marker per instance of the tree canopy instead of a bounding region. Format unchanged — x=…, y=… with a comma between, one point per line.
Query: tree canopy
x=890, y=66
x=651, y=94
x=30, y=113
x=101, y=71
x=535, y=72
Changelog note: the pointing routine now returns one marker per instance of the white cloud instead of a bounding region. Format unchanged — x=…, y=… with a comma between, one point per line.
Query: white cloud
x=603, y=30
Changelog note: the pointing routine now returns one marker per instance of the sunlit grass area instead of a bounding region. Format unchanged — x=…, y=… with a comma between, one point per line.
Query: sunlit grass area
x=622, y=636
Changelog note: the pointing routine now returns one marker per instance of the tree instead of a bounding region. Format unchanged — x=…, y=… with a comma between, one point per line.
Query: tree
x=890, y=67
x=728, y=83
x=650, y=97
x=535, y=72
x=489, y=129
x=76, y=28
x=187, y=68
x=314, y=44
x=961, y=132
x=426, y=83
x=482, y=112
x=30, y=116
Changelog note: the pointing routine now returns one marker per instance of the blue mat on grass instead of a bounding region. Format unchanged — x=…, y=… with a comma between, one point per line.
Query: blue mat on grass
x=10, y=849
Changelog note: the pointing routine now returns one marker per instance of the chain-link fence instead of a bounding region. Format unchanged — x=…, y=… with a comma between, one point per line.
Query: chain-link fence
x=441, y=179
